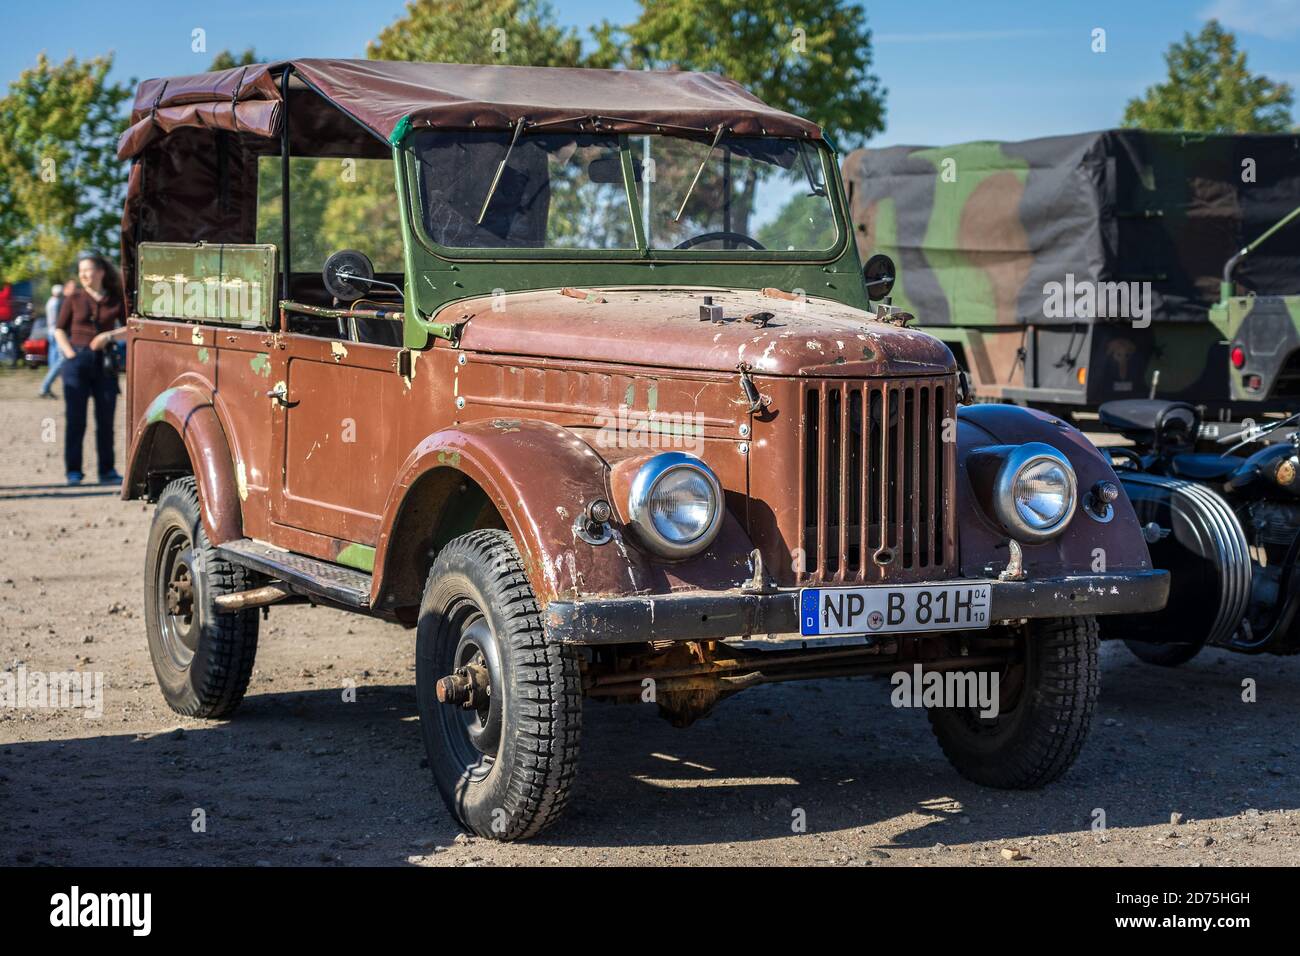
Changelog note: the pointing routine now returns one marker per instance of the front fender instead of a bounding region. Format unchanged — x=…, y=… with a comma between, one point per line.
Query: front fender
x=539, y=477
x=190, y=414
x=1087, y=545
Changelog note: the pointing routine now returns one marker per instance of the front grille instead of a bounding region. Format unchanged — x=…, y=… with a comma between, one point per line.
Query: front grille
x=877, y=488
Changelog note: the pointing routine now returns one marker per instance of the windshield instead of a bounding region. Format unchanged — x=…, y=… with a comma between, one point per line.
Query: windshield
x=569, y=191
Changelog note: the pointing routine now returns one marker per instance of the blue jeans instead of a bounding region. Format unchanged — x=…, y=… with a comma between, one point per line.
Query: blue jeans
x=56, y=363
x=85, y=378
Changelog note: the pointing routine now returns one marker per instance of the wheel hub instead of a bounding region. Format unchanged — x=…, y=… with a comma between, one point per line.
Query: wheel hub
x=471, y=687
x=180, y=593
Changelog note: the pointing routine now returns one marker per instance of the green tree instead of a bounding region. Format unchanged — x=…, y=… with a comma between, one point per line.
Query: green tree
x=225, y=60
x=1210, y=90
x=517, y=32
x=809, y=57
x=61, y=185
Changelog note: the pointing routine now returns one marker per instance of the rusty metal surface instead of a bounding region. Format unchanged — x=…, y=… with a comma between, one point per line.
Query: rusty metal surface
x=662, y=327
x=548, y=405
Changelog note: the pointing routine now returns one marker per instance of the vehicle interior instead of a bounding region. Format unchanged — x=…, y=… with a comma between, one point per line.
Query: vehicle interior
x=341, y=197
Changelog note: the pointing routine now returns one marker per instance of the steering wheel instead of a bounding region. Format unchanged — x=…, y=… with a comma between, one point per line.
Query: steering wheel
x=721, y=235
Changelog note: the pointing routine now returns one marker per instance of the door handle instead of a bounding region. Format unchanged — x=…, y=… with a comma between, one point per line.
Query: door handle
x=281, y=395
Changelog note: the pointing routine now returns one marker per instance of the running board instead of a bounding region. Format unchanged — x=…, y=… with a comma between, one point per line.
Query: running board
x=303, y=575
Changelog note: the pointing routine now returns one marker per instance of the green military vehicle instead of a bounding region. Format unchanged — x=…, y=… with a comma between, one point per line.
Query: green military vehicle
x=1262, y=331
x=1074, y=270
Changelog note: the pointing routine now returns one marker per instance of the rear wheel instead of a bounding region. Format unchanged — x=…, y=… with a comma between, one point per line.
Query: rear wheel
x=202, y=657
x=1047, y=691
x=500, y=706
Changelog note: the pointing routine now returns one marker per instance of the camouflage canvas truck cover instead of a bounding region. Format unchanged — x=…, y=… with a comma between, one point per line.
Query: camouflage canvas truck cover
x=1073, y=270
x=577, y=373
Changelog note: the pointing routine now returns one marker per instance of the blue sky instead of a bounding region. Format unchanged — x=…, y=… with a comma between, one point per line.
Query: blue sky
x=954, y=70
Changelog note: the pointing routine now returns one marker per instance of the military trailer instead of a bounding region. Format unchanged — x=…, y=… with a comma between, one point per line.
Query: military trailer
x=1074, y=270
x=539, y=363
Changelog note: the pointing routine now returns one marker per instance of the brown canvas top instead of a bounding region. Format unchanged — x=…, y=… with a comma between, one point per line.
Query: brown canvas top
x=389, y=98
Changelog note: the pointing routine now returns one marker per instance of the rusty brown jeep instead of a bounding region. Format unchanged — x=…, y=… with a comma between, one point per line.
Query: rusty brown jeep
x=578, y=374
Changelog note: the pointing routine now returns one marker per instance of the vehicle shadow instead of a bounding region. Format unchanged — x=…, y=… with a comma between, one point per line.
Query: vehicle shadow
x=308, y=778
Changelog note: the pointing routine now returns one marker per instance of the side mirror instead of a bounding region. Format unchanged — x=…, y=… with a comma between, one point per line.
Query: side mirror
x=348, y=275
x=878, y=276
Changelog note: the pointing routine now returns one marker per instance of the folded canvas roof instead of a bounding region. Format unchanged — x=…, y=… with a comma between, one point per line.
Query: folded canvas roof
x=388, y=98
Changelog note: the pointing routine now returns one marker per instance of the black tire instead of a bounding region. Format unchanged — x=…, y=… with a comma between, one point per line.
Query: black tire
x=1163, y=655
x=1049, y=692
x=506, y=768
x=202, y=657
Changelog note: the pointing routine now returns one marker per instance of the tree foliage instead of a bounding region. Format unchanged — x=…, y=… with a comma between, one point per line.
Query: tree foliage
x=1210, y=90
x=809, y=57
x=516, y=32
x=226, y=60
x=61, y=185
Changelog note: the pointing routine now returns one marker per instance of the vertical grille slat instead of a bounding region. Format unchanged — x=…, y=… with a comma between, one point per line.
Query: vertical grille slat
x=876, y=503
x=823, y=491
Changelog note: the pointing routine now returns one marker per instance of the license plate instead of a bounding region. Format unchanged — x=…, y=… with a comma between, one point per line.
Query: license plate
x=824, y=612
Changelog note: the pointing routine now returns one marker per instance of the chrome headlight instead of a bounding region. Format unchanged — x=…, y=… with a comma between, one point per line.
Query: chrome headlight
x=676, y=504
x=1035, y=492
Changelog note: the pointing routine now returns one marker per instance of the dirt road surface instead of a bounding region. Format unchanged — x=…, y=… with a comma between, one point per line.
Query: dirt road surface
x=303, y=777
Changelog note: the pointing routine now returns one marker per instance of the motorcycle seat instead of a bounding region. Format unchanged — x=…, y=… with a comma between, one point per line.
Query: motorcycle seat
x=1142, y=414
x=1204, y=467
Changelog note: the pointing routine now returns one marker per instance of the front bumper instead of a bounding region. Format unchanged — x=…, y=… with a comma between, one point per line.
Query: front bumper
x=716, y=615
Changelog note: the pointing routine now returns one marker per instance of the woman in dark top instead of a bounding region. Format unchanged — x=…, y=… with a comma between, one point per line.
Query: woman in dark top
x=91, y=318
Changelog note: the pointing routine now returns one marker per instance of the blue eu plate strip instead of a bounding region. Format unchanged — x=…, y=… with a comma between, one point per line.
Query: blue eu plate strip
x=808, y=623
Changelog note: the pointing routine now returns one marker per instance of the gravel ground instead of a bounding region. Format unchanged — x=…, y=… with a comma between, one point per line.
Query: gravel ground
x=303, y=777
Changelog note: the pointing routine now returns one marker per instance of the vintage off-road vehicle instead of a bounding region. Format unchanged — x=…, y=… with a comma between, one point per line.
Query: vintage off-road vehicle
x=576, y=373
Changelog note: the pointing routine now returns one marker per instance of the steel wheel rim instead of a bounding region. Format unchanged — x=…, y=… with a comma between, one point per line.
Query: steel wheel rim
x=178, y=622
x=474, y=734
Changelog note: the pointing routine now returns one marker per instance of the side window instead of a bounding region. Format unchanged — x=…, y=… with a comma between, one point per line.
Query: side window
x=334, y=204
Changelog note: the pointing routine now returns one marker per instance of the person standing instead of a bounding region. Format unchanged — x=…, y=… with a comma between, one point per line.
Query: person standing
x=54, y=353
x=91, y=318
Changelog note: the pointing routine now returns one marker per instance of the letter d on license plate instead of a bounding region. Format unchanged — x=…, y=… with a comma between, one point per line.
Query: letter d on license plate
x=824, y=612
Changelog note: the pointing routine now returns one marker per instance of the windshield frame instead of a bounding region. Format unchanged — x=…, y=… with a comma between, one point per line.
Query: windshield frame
x=409, y=178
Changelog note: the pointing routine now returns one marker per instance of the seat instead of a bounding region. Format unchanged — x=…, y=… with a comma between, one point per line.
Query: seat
x=1142, y=414
x=1204, y=467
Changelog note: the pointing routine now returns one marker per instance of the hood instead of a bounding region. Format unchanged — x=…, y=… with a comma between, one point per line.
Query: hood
x=662, y=327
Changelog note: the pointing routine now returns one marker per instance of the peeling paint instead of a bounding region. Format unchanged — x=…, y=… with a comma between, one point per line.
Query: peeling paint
x=359, y=556
x=196, y=336
x=203, y=356
x=241, y=481
x=406, y=379
x=261, y=364
x=338, y=350
x=158, y=407
x=452, y=459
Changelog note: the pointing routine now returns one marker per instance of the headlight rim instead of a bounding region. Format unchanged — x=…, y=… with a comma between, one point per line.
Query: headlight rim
x=1017, y=461
x=643, y=483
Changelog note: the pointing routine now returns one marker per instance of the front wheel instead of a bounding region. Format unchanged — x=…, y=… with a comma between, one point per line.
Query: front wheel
x=500, y=706
x=201, y=656
x=1047, y=691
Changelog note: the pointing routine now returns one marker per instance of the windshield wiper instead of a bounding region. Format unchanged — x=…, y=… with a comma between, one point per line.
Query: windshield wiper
x=691, y=189
x=818, y=188
x=519, y=128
